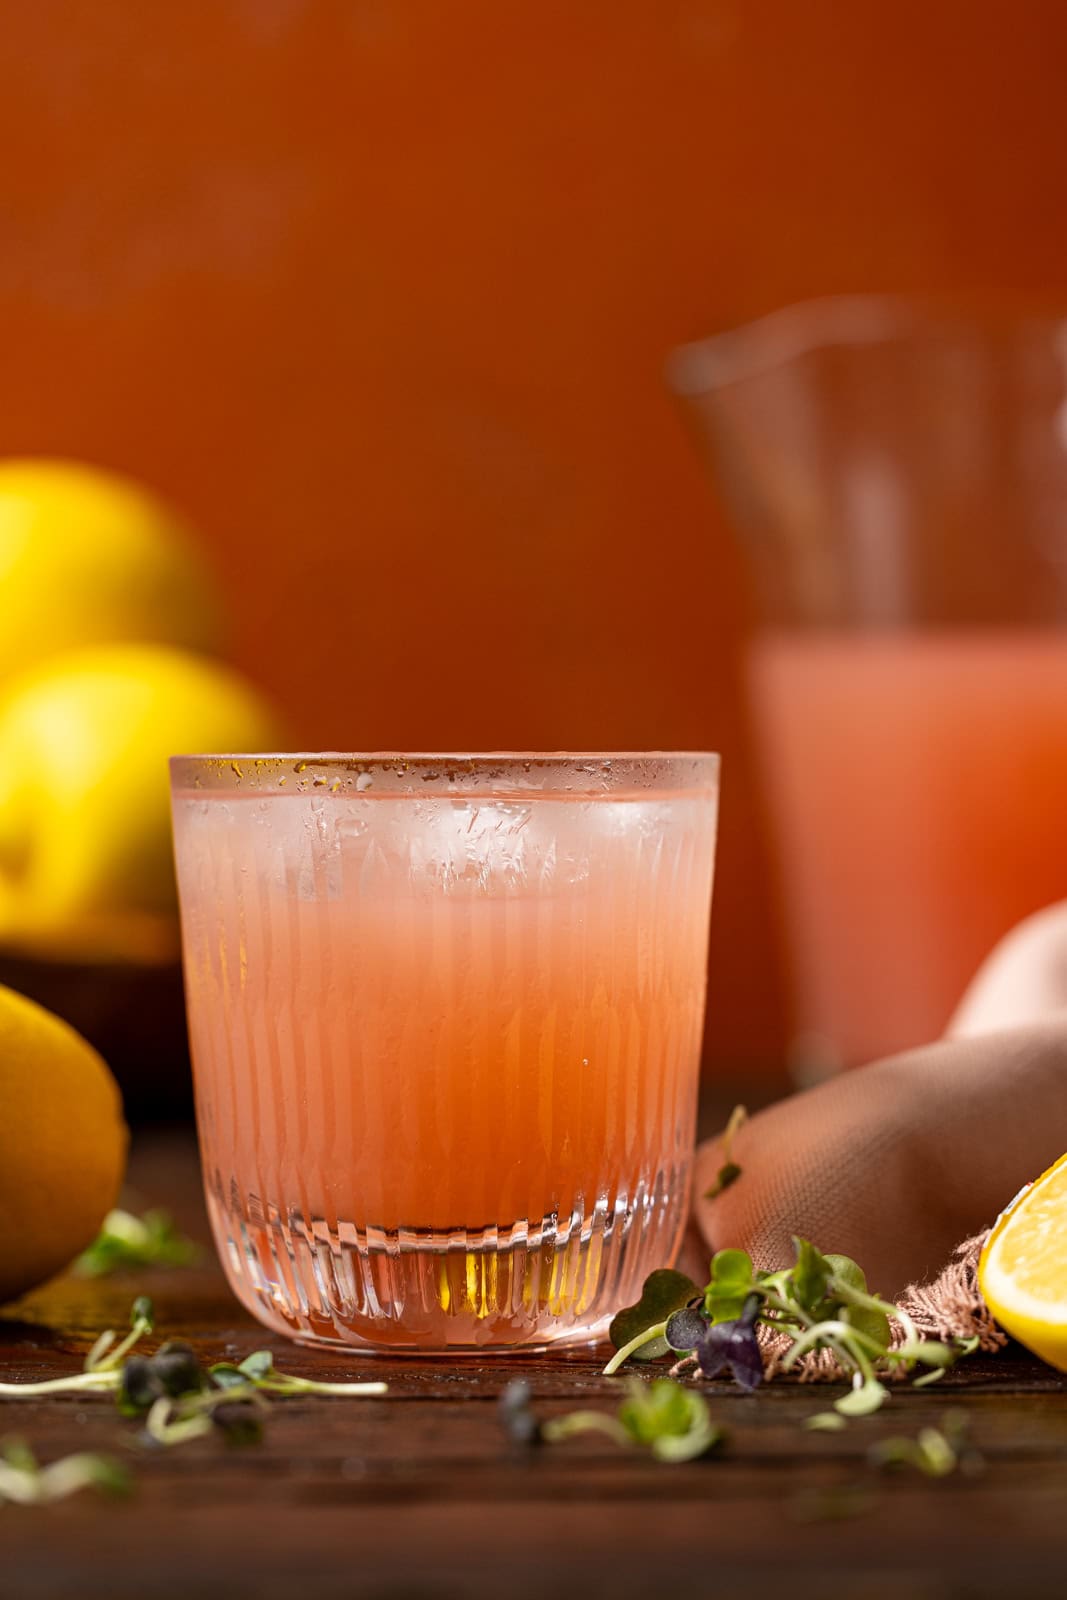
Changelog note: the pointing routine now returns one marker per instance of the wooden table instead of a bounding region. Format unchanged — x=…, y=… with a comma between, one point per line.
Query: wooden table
x=419, y=1494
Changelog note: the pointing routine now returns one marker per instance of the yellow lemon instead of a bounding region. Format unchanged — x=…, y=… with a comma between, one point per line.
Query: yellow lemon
x=62, y=1144
x=87, y=557
x=85, y=843
x=1023, y=1270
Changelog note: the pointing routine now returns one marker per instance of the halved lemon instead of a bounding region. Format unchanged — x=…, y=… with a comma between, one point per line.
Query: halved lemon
x=1023, y=1269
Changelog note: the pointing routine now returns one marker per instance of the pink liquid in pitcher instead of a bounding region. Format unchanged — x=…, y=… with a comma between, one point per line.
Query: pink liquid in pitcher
x=918, y=787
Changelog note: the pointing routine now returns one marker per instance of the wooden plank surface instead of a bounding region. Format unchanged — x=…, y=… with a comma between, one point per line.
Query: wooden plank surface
x=420, y=1494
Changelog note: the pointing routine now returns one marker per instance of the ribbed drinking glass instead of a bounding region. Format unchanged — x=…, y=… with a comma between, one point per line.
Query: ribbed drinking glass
x=446, y=1015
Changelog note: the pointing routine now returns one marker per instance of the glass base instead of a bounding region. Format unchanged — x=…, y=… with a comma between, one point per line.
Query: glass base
x=462, y=1292
x=587, y=1340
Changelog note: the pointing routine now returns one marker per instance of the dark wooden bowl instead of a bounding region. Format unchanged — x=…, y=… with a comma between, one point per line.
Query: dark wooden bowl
x=133, y=1014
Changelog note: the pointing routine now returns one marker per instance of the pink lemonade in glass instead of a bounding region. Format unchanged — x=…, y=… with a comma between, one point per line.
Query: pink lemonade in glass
x=446, y=1016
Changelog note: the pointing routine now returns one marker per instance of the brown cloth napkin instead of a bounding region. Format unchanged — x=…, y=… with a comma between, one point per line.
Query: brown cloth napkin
x=895, y=1163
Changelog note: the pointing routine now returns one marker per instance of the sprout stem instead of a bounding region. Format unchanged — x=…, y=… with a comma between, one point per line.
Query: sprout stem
x=657, y=1331
x=98, y=1379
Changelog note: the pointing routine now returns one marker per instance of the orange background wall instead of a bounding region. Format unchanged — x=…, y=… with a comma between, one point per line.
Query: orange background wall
x=381, y=290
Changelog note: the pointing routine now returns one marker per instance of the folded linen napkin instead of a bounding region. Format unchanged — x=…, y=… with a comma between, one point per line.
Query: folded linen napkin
x=895, y=1163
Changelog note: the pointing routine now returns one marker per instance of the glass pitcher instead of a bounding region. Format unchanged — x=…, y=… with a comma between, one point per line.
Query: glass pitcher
x=897, y=475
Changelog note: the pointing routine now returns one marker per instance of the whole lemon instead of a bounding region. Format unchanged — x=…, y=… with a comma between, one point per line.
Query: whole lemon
x=88, y=556
x=86, y=865
x=62, y=1144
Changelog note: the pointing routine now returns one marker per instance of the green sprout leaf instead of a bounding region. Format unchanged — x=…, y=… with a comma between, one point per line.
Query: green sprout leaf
x=730, y=1286
x=127, y=1243
x=847, y=1297
x=931, y=1452
x=141, y=1314
x=846, y=1273
x=664, y=1291
x=17, y=1454
x=863, y=1400
x=652, y=1410
x=260, y=1364
x=672, y=1421
x=224, y=1375
x=811, y=1275
x=873, y=1323
x=668, y=1419
x=23, y=1481
x=932, y=1353
x=825, y=1422
x=729, y=1172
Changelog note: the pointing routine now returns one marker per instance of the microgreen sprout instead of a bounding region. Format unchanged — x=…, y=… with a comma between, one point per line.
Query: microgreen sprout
x=665, y=1291
x=259, y=1370
x=935, y=1452
x=668, y=1419
x=236, y=1411
x=826, y=1422
x=733, y=1345
x=24, y=1482
x=729, y=1172
x=176, y=1396
x=127, y=1243
x=184, y=1402
x=102, y=1372
x=819, y=1304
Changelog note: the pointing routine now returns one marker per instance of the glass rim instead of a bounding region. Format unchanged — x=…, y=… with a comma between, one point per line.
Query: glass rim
x=600, y=772
x=799, y=328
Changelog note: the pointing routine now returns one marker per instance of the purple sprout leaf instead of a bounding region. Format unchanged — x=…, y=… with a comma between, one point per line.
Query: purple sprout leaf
x=516, y=1414
x=734, y=1346
x=686, y=1328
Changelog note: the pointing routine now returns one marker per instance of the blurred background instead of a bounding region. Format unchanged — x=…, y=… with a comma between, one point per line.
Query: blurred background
x=381, y=297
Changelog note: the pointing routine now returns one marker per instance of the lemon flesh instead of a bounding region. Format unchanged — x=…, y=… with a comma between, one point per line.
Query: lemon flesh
x=62, y=1144
x=1023, y=1270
